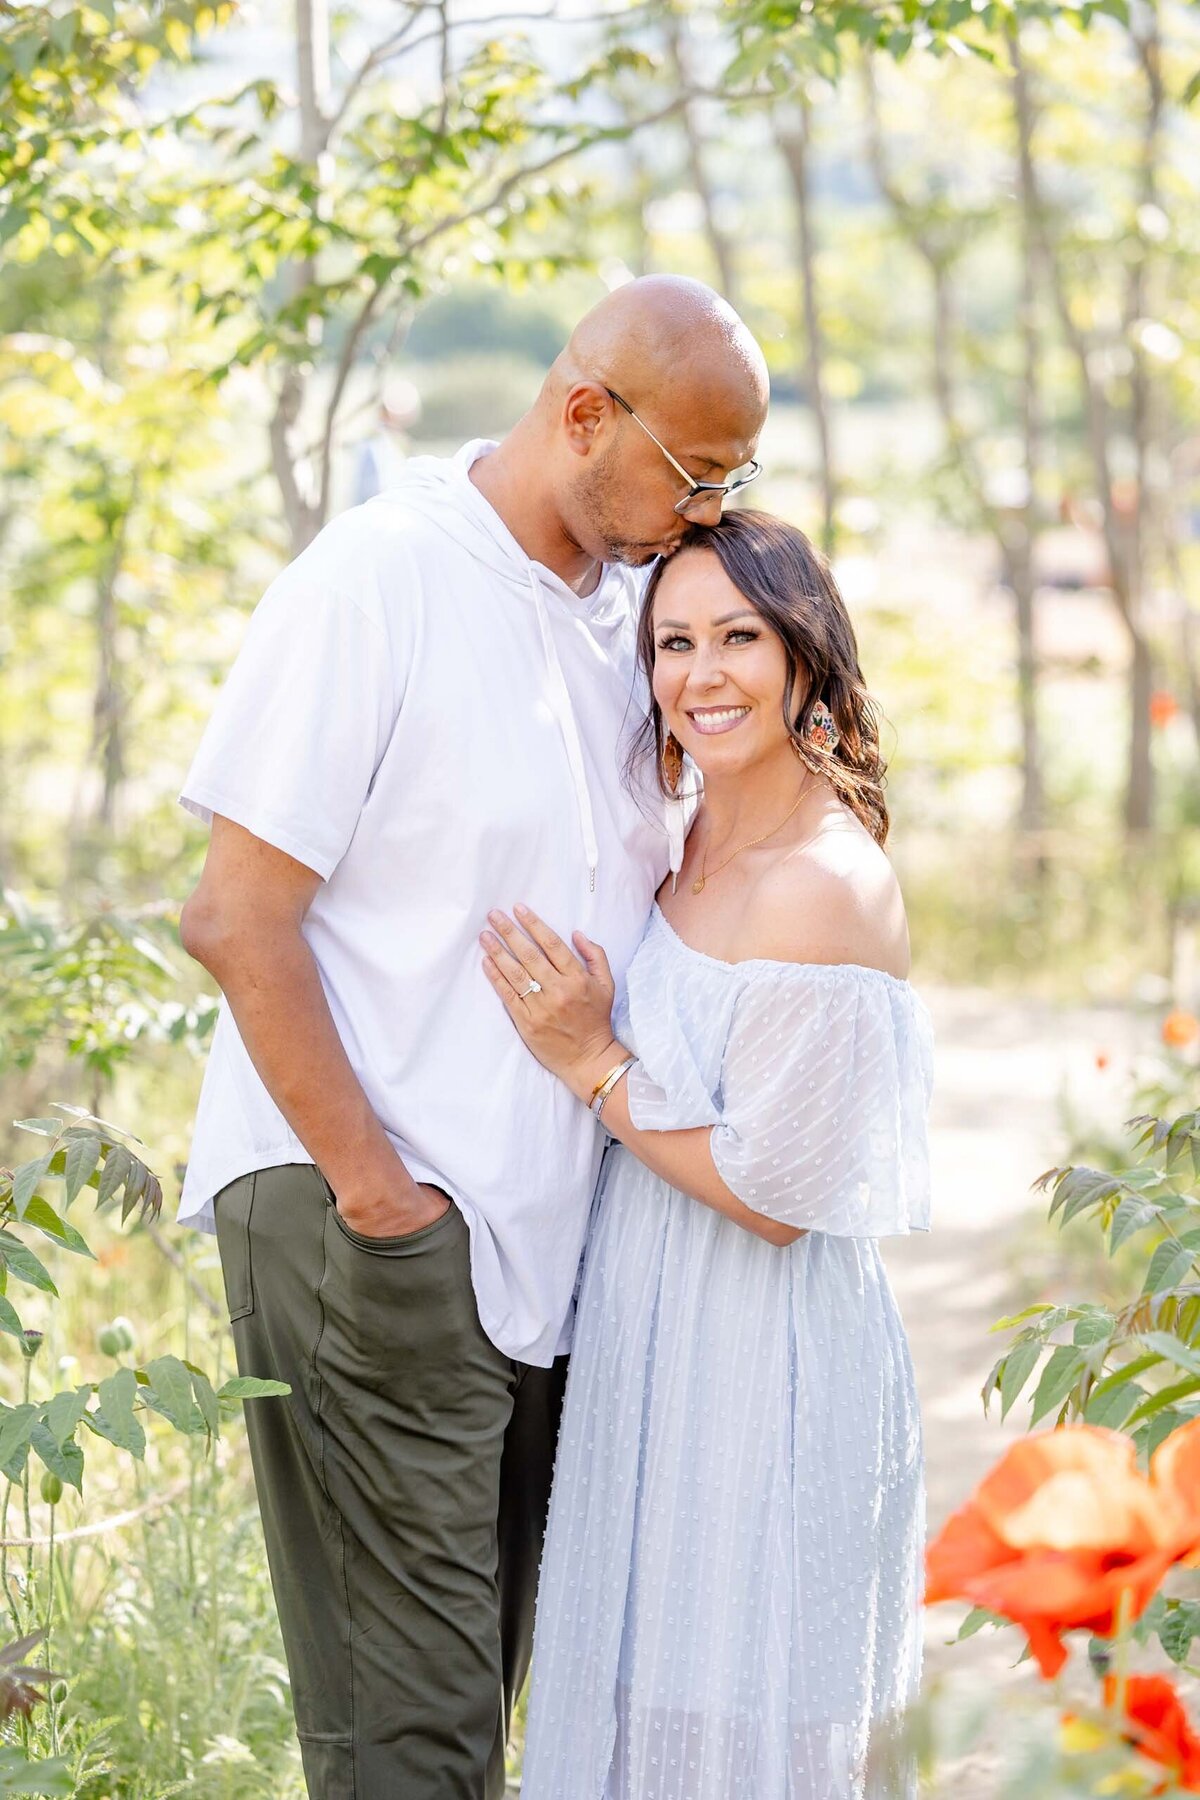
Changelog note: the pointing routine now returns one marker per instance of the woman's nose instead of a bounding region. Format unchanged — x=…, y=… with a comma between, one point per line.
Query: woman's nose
x=706, y=671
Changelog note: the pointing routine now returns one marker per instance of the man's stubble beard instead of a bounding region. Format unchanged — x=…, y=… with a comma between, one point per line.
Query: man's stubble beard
x=600, y=503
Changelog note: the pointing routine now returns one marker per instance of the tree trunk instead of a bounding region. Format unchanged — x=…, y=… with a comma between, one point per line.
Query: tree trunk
x=794, y=143
x=1024, y=575
x=719, y=244
x=1012, y=528
x=93, y=818
x=303, y=491
x=1139, y=799
x=1120, y=537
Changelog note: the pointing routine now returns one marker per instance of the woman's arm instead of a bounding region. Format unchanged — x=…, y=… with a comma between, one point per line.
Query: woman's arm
x=567, y=1024
x=682, y=1158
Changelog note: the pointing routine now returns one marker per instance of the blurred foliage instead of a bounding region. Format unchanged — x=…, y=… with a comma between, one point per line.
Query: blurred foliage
x=91, y=990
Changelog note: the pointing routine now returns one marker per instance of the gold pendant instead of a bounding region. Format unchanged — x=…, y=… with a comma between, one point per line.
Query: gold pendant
x=698, y=885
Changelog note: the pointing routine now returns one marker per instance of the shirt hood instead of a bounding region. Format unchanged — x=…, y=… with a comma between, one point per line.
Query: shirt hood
x=441, y=490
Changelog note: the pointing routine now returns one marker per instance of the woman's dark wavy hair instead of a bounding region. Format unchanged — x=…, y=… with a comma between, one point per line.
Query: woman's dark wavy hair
x=780, y=573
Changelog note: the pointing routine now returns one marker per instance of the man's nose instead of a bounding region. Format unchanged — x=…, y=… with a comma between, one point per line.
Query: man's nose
x=706, y=509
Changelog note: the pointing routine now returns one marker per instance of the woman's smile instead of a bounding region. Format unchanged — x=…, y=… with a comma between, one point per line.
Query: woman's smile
x=712, y=719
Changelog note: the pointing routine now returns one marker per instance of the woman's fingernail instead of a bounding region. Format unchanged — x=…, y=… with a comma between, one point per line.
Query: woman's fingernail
x=495, y=917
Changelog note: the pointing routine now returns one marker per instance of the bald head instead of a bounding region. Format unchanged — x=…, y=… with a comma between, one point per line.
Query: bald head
x=579, y=480
x=674, y=348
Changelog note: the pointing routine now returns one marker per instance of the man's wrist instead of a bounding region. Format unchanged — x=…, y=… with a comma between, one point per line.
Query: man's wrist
x=387, y=1190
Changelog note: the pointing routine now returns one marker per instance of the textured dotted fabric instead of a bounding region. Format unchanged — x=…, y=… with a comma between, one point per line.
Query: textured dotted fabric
x=730, y=1593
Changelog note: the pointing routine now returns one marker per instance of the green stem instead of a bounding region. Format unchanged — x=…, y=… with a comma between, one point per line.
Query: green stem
x=50, y=1571
x=8, y=1488
x=25, y=1494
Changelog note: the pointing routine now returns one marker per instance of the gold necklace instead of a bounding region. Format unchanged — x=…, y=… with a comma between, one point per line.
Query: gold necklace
x=704, y=875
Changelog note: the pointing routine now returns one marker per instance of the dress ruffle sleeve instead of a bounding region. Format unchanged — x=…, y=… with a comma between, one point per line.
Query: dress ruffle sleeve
x=824, y=1093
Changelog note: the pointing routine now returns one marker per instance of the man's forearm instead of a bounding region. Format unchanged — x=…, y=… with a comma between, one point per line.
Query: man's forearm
x=273, y=987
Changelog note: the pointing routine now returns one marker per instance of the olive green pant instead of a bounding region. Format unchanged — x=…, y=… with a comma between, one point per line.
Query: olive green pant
x=403, y=1487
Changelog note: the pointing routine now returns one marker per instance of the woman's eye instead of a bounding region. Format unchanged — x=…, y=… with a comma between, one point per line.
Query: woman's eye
x=746, y=637
x=675, y=643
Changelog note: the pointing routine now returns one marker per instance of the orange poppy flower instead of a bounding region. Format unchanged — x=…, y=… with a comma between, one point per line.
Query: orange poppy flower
x=1163, y=707
x=1158, y=1725
x=1179, y=1029
x=1065, y=1533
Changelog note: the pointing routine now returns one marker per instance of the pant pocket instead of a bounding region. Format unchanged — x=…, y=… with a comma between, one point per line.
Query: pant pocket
x=232, y=1207
x=388, y=1246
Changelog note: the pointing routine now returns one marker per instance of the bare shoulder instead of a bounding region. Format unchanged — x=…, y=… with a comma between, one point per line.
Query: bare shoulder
x=835, y=899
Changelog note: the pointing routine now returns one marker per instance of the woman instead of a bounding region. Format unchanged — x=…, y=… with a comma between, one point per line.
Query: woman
x=729, y=1599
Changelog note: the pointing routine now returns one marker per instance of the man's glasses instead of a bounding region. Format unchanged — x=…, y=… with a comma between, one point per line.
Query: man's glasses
x=699, y=492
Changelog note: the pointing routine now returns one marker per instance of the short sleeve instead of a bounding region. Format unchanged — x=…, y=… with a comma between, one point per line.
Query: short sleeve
x=825, y=1091
x=303, y=720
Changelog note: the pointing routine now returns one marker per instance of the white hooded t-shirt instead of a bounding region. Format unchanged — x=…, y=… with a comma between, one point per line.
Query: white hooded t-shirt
x=437, y=725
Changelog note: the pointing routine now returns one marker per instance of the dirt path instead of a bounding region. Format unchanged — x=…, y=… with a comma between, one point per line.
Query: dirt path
x=1002, y=1067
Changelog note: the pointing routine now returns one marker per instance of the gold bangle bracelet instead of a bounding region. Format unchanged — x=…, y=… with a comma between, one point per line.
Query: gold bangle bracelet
x=604, y=1088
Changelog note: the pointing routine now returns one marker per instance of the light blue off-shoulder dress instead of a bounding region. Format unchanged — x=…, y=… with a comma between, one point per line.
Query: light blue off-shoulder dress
x=730, y=1592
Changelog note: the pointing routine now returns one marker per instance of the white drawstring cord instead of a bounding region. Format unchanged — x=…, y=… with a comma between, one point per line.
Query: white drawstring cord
x=564, y=712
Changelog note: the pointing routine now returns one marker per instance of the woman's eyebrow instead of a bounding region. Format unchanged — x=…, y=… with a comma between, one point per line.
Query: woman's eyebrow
x=727, y=618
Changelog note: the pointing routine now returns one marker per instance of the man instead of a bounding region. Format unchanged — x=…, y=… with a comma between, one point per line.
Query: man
x=426, y=720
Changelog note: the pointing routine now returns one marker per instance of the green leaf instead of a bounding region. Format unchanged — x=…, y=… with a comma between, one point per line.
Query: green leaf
x=1095, y=1327
x=1155, y=1431
x=1177, y=1629
x=1172, y=1349
x=115, y=1418
x=1132, y=1215
x=43, y=1127
x=9, y=1320
x=1028, y=1312
x=52, y=1778
x=170, y=1393
x=1192, y=89
x=206, y=1399
x=25, y=1265
x=1143, y=1628
x=976, y=1619
x=82, y=1155
x=109, y=1133
x=25, y=1183
x=1111, y=1406
x=1154, y=1403
x=16, y=1428
x=1059, y=1376
x=42, y=1216
x=251, y=1387
x=117, y=1165
x=1168, y=1266
x=1019, y=1365
x=1136, y=1366
x=63, y=1412
x=64, y=1460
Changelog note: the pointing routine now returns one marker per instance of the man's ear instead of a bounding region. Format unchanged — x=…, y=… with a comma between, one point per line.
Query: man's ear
x=586, y=416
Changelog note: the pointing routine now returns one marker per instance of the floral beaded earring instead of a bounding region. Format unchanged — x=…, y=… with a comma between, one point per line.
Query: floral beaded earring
x=823, y=734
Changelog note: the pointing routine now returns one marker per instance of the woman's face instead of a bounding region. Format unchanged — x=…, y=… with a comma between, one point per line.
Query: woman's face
x=719, y=669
